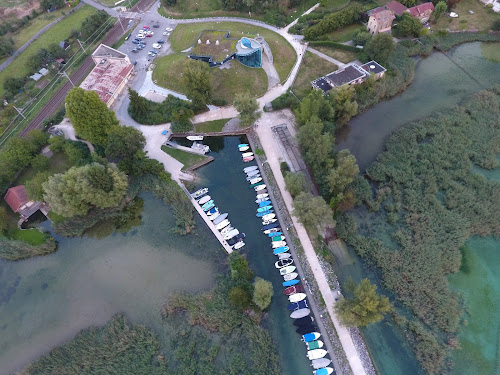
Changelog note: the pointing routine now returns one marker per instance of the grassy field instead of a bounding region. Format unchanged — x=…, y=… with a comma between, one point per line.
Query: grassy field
x=346, y=33
x=482, y=19
x=58, y=163
x=338, y=54
x=210, y=126
x=226, y=82
x=22, y=36
x=186, y=158
x=312, y=67
x=491, y=51
x=184, y=36
x=30, y=236
x=334, y=4
x=55, y=34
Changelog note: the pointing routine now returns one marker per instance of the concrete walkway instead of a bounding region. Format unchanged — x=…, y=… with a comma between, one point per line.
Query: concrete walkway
x=69, y=133
x=149, y=86
x=327, y=58
x=273, y=155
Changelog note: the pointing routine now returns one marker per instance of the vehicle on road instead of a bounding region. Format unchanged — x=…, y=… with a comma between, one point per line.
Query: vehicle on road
x=149, y=35
x=128, y=36
x=135, y=50
x=156, y=46
x=146, y=27
x=161, y=41
x=135, y=41
x=156, y=25
x=140, y=36
x=169, y=29
x=165, y=33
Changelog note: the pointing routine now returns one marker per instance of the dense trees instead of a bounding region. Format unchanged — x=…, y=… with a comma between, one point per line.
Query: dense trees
x=197, y=83
x=314, y=105
x=361, y=37
x=90, y=117
x=247, y=106
x=45, y=56
x=380, y=47
x=343, y=174
x=296, y=183
x=34, y=187
x=94, y=22
x=312, y=211
x=344, y=104
x=51, y=4
x=6, y=46
x=123, y=142
x=80, y=189
x=334, y=21
x=13, y=85
x=365, y=307
x=407, y=25
x=262, y=293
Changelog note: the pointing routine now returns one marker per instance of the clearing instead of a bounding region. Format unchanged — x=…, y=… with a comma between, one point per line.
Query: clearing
x=210, y=126
x=345, y=34
x=186, y=158
x=312, y=67
x=482, y=19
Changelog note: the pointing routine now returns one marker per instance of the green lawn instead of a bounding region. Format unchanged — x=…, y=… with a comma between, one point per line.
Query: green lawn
x=334, y=4
x=24, y=34
x=184, y=36
x=491, y=51
x=338, y=54
x=482, y=19
x=58, y=163
x=30, y=236
x=210, y=126
x=312, y=67
x=226, y=82
x=345, y=34
x=55, y=34
x=186, y=158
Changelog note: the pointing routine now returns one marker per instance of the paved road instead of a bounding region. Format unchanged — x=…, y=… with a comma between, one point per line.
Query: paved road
x=326, y=57
x=33, y=38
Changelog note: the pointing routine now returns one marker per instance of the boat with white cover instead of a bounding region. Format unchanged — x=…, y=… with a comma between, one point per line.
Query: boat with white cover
x=220, y=218
x=226, y=229
x=316, y=353
x=278, y=244
x=243, y=148
x=231, y=234
x=222, y=224
x=297, y=297
x=285, y=270
x=204, y=200
x=252, y=173
x=239, y=245
x=260, y=187
x=268, y=217
x=247, y=154
x=252, y=168
x=199, y=193
x=195, y=137
x=214, y=216
x=290, y=276
x=265, y=222
x=284, y=255
x=320, y=363
x=262, y=196
x=297, y=314
x=255, y=180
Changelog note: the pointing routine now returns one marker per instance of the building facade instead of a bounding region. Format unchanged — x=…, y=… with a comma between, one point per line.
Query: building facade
x=380, y=21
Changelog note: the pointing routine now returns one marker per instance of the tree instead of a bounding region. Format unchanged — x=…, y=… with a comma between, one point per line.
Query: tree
x=380, y=47
x=82, y=188
x=34, y=187
x=296, y=183
x=52, y=4
x=262, y=293
x=197, y=83
x=90, y=117
x=40, y=162
x=440, y=8
x=496, y=25
x=94, y=22
x=13, y=85
x=344, y=174
x=239, y=267
x=247, y=107
x=124, y=142
x=316, y=105
x=407, y=26
x=6, y=46
x=240, y=297
x=138, y=104
x=361, y=37
x=316, y=146
x=364, y=308
x=312, y=211
x=344, y=103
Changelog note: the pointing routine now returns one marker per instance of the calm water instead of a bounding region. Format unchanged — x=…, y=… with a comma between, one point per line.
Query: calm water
x=438, y=83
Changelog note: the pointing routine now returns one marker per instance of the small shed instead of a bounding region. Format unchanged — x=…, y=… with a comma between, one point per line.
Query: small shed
x=16, y=197
x=64, y=45
x=43, y=71
x=36, y=76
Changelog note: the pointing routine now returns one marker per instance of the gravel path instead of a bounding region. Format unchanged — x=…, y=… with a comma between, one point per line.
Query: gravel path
x=326, y=57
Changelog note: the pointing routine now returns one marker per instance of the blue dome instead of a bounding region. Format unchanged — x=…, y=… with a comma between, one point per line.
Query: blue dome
x=246, y=43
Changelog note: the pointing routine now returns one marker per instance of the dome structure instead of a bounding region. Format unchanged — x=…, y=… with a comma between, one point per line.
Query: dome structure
x=245, y=43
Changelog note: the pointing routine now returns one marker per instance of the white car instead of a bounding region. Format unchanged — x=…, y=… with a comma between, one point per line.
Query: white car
x=453, y=15
x=169, y=29
x=150, y=33
x=157, y=46
x=140, y=36
x=166, y=34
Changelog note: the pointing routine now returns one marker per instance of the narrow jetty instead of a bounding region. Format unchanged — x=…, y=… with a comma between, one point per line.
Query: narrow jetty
x=210, y=225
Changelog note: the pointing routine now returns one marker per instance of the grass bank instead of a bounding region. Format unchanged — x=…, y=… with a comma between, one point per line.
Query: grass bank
x=338, y=54
x=186, y=158
x=482, y=19
x=211, y=126
x=312, y=67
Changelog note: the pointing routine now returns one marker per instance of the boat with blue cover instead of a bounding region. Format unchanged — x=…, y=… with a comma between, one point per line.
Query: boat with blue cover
x=280, y=250
x=273, y=234
x=297, y=305
x=290, y=282
x=323, y=371
x=213, y=211
x=207, y=204
x=260, y=214
x=209, y=207
x=311, y=336
x=242, y=145
x=265, y=208
x=264, y=203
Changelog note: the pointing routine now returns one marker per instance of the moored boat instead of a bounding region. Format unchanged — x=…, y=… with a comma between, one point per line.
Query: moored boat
x=209, y=207
x=290, y=282
x=204, y=200
x=255, y=180
x=297, y=314
x=262, y=196
x=235, y=239
x=320, y=363
x=243, y=148
x=260, y=187
x=253, y=172
x=261, y=200
x=308, y=337
x=272, y=230
x=284, y=255
x=213, y=211
x=239, y=245
x=246, y=160
x=281, y=250
x=268, y=217
x=278, y=238
x=242, y=145
x=251, y=168
x=270, y=226
x=247, y=154
x=207, y=204
x=257, y=184
x=231, y=234
x=305, y=329
x=226, y=229
x=264, y=203
x=287, y=270
x=290, y=276
x=298, y=305
x=254, y=176
x=316, y=344
x=293, y=289
x=199, y=193
x=316, y=353
x=274, y=234
x=195, y=137
x=220, y=218
x=264, y=208
x=283, y=263
x=297, y=297
x=267, y=222
x=324, y=370
x=277, y=244
x=305, y=321
x=224, y=223
x=214, y=216
x=260, y=214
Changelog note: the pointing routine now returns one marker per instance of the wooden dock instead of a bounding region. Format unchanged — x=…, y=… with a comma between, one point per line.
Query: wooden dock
x=205, y=218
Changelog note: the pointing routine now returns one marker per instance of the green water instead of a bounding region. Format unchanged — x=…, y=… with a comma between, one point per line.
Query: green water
x=438, y=83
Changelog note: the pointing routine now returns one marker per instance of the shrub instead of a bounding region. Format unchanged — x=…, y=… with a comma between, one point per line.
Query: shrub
x=284, y=168
x=334, y=21
x=286, y=100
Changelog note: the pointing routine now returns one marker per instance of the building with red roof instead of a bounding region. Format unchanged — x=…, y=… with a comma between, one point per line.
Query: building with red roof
x=380, y=21
x=110, y=75
x=422, y=12
x=16, y=197
x=396, y=8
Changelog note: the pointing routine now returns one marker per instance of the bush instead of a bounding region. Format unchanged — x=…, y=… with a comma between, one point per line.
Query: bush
x=275, y=17
x=284, y=168
x=40, y=162
x=334, y=21
x=361, y=37
x=286, y=100
x=496, y=25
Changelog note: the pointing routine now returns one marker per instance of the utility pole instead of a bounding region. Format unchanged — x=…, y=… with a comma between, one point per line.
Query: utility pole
x=81, y=45
x=20, y=112
x=69, y=79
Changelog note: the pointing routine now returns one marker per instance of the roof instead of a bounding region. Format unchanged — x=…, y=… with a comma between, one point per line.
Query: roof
x=322, y=83
x=106, y=77
x=418, y=10
x=43, y=72
x=375, y=10
x=396, y=7
x=383, y=15
x=214, y=43
x=373, y=67
x=106, y=51
x=347, y=75
x=16, y=197
x=64, y=44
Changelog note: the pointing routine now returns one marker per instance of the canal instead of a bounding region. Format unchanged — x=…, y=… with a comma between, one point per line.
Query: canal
x=439, y=83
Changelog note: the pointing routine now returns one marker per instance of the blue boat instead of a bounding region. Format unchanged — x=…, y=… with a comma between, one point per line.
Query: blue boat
x=282, y=249
x=212, y=211
x=265, y=208
x=260, y=214
x=308, y=337
x=270, y=226
x=290, y=282
x=298, y=305
x=323, y=371
x=265, y=203
x=274, y=234
x=207, y=204
x=242, y=145
x=209, y=207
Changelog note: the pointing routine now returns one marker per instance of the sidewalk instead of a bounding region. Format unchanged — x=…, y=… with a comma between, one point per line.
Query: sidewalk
x=327, y=58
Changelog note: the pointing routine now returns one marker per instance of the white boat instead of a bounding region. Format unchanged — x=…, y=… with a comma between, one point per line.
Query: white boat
x=324, y=370
x=269, y=216
x=260, y=196
x=290, y=276
x=199, y=193
x=220, y=218
x=267, y=231
x=226, y=229
x=297, y=297
x=204, y=200
x=255, y=180
x=239, y=245
x=243, y=148
x=247, y=154
x=283, y=263
x=285, y=270
x=260, y=187
x=222, y=224
x=253, y=173
x=257, y=175
x=252, y=168
x=300, y=313
x=214, y=216
x=231, y=234
x=195, y=137
x=320, y=363
x=284, y=255
x=265, y=222
x=316, y=353
x=276, y=244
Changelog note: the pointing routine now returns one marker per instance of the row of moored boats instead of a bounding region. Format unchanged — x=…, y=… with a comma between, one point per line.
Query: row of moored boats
x=231, y=235
x=298, y=306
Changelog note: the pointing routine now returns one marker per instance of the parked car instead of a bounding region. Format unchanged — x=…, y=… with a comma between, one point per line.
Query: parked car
x=149, y=35
x=161, y=41
x=156, y=25
x=135, y=50
x=146, y=27
x=140, y=36
x=142, y=45
x=169, y=29
x=166, y=34
x=128, y=36
x=135, y=41
x=156, y=46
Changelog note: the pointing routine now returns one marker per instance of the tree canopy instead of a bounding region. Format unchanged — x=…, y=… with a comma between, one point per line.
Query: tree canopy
x=34, y=187
x=365, y=307
x=312, y=211
x=380, y=47
x=82, y=188
x=407, y=25
x=315, y=104
x=439, y=9
x=262, y=293
x=296, y=183
x=90, y=117
x=344, y=172
x=197, y=83
x=247, y=107
x=344, y=104
x=123, y=142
